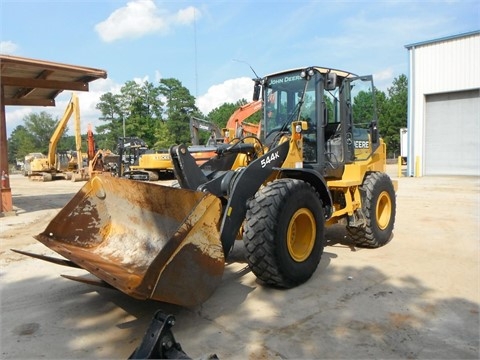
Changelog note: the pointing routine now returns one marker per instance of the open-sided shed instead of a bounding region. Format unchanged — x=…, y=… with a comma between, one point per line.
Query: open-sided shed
x=32, y=82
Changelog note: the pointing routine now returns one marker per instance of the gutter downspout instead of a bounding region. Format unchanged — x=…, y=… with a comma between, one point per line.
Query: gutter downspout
x=411, y=113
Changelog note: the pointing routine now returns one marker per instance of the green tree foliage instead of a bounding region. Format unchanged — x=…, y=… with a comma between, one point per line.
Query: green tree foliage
x=35, y=135
x=110, y=109
x=221, y=114
x=136, y=111
x=180, y=107
x=21, y=143
x=41, y=126
x=142, y=107
x=142, y=110
x=394, y=114
x=164, y=137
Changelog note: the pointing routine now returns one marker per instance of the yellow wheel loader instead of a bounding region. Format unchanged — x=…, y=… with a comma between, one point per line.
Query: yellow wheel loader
x=319, y=160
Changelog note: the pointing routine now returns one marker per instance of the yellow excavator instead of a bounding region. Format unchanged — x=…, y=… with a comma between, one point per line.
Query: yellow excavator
x=319, y=160
x=155, y=165
x=59, y=165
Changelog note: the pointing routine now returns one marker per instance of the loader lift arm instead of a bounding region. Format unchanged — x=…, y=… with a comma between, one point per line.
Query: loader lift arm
x=236, y=185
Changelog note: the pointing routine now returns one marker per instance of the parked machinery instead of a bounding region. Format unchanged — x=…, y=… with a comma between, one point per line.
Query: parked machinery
x=155, y=165
x=59, y=165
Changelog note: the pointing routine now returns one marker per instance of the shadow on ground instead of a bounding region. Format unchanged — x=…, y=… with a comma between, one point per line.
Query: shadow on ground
x=327, y=317
x=30, y=203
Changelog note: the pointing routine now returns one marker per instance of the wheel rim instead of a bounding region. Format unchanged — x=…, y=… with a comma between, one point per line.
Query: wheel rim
x=301, y=234
x=384, y=210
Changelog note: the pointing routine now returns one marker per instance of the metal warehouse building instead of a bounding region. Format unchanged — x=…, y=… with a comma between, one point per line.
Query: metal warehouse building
x=444, y=106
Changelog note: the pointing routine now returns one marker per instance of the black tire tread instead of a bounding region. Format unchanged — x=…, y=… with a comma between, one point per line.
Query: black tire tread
x=260, y=227
x=365, y=236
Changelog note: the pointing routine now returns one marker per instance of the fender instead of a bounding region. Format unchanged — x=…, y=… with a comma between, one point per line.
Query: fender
x=317, y=181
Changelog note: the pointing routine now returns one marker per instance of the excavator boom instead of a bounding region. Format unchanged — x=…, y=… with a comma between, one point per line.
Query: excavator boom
x=72, y=108
x=60, y=165
x=238, y=127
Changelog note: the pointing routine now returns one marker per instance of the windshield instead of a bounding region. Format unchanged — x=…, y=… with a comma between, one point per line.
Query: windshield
x=284, y=95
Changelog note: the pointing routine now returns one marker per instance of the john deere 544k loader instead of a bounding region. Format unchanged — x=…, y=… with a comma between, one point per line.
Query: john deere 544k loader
x=318, y=161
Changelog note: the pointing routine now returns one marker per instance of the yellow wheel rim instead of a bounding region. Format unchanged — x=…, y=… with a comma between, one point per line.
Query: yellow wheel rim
x=383, y=210
x=301, y=234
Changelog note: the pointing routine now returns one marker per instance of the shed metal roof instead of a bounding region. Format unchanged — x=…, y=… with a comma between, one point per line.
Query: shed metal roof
x=452, y=37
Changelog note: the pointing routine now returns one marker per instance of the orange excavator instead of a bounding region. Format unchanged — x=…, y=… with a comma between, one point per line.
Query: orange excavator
x=237, y=127
x=99, y=161
x=95, y=158
x=236, y=130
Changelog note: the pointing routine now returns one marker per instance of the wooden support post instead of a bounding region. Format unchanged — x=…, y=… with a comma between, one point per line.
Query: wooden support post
x=6, y=205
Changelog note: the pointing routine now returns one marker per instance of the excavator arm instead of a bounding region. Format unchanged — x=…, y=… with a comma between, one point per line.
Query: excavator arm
x=72, y=107
x=90, y=143
x=237, y=186
x=78, y=136
x=197, y=124
x=237, y=127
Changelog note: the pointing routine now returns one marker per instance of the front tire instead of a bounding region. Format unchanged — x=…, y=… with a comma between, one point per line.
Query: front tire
x=379, y=208
x=284, y=233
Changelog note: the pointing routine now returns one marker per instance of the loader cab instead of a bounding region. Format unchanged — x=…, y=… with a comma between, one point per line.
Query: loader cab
x=338, y=107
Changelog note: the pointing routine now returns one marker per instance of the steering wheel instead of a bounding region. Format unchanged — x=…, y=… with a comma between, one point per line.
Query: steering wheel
x=272, y=134
x=275, y=129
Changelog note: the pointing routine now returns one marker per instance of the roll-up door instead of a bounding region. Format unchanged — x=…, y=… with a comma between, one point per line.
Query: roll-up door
x=452, y=133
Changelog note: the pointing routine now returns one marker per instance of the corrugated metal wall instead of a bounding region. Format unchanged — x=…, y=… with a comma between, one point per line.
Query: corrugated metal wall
x=436, y=67
x=447, y=66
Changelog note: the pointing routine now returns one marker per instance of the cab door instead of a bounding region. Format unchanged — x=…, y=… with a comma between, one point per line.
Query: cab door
x=362, y=122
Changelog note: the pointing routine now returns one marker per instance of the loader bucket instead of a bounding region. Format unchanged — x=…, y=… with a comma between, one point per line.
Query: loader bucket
x=147, y=240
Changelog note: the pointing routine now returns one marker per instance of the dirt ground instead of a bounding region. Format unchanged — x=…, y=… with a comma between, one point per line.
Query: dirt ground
x=417, y=297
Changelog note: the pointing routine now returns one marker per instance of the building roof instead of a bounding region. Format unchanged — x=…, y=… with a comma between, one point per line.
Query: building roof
x=31, y=82
x=452, y=37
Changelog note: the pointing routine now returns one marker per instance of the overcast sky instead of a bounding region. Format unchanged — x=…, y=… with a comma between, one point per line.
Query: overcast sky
x=210, y=45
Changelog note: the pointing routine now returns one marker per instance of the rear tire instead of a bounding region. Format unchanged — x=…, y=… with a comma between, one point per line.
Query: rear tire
x=284, y=233
x=379, y=208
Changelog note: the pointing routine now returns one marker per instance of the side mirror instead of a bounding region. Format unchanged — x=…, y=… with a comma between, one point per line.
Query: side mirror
x=256, y=91
x=330, y=81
